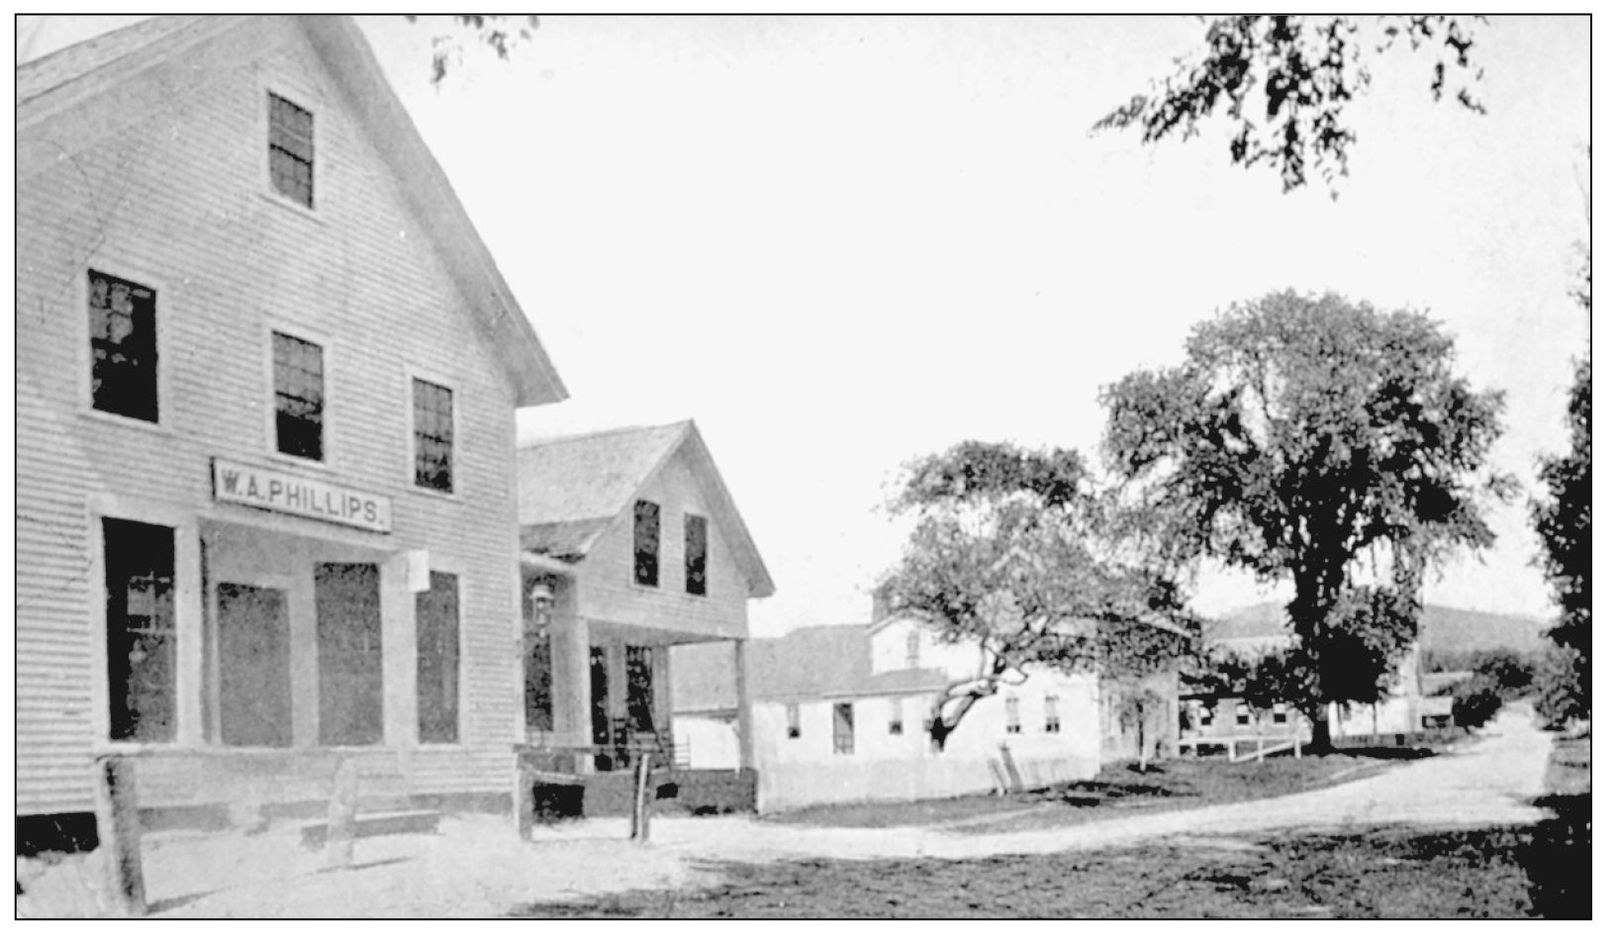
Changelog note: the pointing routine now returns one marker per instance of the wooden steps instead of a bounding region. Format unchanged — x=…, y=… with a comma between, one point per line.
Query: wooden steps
x=377, y=823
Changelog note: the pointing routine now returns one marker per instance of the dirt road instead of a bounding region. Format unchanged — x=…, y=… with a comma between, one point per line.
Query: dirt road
x=1489, y=782
x=476, y=866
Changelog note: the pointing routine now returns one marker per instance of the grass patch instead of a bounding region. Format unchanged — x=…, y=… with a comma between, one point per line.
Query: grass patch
x=1570, y=766
x=1173, y=783
x=1391, y=872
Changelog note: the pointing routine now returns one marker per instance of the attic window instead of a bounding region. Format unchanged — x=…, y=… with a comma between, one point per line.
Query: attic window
x=695, y=555
x=647, y=534
x=291, y=150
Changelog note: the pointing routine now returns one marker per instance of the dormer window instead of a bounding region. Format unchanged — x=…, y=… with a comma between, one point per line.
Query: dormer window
x=291, y=150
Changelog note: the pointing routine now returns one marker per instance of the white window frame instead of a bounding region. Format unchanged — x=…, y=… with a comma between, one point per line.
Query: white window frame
x=188, y=622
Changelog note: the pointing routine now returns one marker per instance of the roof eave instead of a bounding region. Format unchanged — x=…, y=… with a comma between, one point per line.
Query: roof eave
x=533, y=376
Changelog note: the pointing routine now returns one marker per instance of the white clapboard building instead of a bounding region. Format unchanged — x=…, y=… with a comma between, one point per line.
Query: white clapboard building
x=266, y=383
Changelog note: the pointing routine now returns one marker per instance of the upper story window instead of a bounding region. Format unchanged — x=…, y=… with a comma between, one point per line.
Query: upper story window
x=1012, y=713
x=695, y=555
x=911, y=649
x=299, y=397
x=1051, y=712
x=647, y=535
x=291, y=150
x=895, y=716
x=1242, y=715
x=123, y=347
x=793, y=721
x=434, y=436
x=1280, y=716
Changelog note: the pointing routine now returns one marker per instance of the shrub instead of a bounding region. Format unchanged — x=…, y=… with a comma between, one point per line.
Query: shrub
x=1476, y=702
x=1562, y=687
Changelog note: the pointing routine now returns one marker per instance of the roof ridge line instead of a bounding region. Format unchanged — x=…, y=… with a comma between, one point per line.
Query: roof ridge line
x=606, y=432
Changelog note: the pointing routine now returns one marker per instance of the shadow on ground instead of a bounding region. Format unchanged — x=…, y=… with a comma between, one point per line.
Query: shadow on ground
x=1542, y=870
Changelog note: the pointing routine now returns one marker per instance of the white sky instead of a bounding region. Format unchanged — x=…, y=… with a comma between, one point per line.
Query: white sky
x=839, y=243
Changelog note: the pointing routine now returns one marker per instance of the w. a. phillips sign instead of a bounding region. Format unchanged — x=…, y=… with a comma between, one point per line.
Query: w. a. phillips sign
x=280, y=491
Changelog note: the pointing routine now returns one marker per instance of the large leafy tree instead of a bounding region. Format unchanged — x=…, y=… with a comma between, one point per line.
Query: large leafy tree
x=1007, y=554
x=498, y=32
x=1282, y=84
x=1321, y=442
x=1565, y=524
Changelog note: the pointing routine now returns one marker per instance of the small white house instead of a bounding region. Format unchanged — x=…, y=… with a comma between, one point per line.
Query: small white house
x=841, y=713
x=631, y=548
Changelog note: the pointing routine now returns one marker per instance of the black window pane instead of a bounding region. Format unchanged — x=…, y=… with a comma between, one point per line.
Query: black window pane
x=139, y=564
x=291, y=150
x=641, y=694
x=540, y=705
x=123, y=347
x=299, y=398
x=434, y=436
x=647, y=534
x=696, y=555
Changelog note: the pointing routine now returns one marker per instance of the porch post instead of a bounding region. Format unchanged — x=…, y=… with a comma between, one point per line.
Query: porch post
x=570, y=683
x=743, y=706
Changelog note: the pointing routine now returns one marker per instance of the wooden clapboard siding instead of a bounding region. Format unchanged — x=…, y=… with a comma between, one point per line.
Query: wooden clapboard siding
x=161, y=179
x=606, y=588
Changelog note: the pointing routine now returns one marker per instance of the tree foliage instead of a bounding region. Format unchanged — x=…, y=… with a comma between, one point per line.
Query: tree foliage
x=499, y=32
x=1476, y=702
x=1564, y=524
x=1562, y=687
x=1007, y=554
x=1304, y=70
x=1322, y=442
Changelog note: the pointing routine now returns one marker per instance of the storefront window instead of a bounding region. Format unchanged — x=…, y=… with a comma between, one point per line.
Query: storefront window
x=437, y=659
x=348, y=623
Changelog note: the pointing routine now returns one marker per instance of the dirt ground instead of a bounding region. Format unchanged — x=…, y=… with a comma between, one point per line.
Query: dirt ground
x=475, y=866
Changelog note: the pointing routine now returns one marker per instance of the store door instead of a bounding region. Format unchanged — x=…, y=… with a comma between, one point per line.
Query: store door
x=348, y=622
x=255, y=682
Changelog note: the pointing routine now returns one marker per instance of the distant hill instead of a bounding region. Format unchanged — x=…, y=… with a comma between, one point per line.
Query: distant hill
x=1442, y=629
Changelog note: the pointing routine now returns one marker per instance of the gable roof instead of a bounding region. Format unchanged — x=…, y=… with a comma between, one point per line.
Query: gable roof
x=571, y=489
x=826, y=662
x=73, y=74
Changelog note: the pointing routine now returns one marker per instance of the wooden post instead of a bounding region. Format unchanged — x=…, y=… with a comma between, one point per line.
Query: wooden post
x=641, y=829
x=340, y=816
x=1298, y=743
x=522, y=800
x=1233, y=745
x=117, y=827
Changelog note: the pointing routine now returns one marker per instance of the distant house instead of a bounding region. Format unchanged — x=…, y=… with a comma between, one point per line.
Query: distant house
x=841, y=713
x=1407, y=708
x=631, y=546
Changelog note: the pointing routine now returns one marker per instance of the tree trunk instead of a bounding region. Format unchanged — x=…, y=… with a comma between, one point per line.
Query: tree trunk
x=963, y=694
x=1321, y=744
x=1314, y=598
